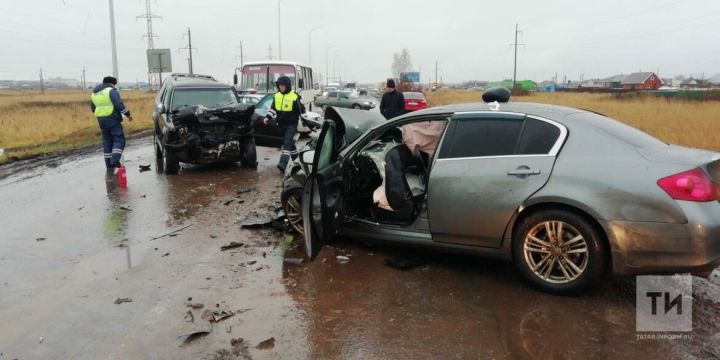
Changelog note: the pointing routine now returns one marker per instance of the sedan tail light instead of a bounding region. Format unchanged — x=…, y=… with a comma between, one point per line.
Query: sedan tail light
x=691, y=185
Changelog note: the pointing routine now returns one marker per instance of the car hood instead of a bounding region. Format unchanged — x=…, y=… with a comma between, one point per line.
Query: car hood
x=352, y=123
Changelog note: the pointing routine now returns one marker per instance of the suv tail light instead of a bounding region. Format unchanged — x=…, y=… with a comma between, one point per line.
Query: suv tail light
x=691, y=185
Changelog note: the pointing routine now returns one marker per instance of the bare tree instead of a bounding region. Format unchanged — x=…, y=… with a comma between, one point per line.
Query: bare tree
x=401, y=63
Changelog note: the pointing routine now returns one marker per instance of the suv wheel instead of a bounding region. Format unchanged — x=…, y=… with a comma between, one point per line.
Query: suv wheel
x=249, y=155
x=171, y=164
x=558, y=251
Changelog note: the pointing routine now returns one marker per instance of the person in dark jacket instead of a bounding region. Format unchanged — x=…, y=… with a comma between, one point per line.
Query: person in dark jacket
x=393, y=101
x=286, y=110
x=109, y=109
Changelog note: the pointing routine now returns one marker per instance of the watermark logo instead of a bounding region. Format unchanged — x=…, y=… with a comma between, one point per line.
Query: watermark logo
x=664, y=304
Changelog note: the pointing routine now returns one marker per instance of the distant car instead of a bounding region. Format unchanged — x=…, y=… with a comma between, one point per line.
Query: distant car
x=199, y=120
x=565, y=194
x=414, y=101
x=345, y=99
x=250, y=99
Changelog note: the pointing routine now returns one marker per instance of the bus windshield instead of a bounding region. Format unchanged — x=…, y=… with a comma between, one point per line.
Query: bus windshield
x=263, y=77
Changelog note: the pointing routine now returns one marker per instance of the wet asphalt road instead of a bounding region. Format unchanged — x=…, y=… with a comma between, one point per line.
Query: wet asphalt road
x=72, y=243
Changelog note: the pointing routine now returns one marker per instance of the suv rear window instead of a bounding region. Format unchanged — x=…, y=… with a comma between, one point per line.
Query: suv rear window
x=211, y=98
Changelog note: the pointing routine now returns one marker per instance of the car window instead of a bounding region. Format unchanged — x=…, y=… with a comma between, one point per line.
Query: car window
x=344, y=96
x=265, y=102
x=327, y=148
x=211, y=98
x=332, y=94
x=473, y=137
x=538, y=137
x=166, y=97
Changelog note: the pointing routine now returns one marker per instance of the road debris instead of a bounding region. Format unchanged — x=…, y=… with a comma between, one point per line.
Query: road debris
x=231, y=245
x=189, y=317
x=125, y=207
x=195, y=306
x=42, y=339
x=244, y=191
x=40, y=239
x=166, y=254
x=294, y=261
x=122, y=300
x=401, y=263
x=252, y=262
x=189, y=338
x=235, y=342
x=212, y=236
x=256, y=220
x=228, y=202
x=228, y=329
x=172, y=232
x=342, y=259
x=144, y=167
x=266, y=344
x=217, y=315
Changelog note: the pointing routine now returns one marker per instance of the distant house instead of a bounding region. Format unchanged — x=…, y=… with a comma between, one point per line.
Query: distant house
x=714, y=81
x=689, y=83
x=642, y=81
x=612, y=82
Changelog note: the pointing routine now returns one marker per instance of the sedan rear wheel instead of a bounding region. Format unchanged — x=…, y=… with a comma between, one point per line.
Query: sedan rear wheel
x=558, y=251
x=356, y=106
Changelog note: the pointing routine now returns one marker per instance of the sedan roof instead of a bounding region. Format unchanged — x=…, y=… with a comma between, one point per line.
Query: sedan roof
x=553, y=112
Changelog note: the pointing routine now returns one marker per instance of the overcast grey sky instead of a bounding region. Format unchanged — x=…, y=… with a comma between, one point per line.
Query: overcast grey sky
x=469, y=38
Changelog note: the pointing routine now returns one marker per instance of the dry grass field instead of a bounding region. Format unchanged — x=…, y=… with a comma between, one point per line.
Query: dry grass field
x=33, y=123
x=682, y=122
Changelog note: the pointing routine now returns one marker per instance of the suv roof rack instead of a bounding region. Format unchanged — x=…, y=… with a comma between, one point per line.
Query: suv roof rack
x=194, y=76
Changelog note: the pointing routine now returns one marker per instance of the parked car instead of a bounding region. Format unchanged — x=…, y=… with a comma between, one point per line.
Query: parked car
x=345, y=99
x=354, y=123
x=270, y=135
x=199, y=120
x=251, y=99
x=564, y=194
x=414, y=101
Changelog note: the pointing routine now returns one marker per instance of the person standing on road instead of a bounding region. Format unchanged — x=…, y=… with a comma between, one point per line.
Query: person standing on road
x=393, y=101
x=286, y=110
x=109, y=110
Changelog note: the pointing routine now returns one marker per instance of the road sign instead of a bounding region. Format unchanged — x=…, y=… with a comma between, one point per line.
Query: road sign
x=159, y=60
x=413, y=76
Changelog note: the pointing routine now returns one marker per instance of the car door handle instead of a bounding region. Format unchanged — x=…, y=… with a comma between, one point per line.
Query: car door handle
x=524, y=171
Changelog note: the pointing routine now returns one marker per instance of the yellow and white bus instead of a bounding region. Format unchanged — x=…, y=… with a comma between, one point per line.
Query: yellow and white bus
x=260, y=77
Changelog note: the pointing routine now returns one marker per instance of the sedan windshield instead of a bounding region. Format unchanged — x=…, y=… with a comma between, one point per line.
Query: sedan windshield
x=211, y=98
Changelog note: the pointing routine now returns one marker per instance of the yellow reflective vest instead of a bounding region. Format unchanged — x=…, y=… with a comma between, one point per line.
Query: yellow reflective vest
x=103, y=104
x=284, y=102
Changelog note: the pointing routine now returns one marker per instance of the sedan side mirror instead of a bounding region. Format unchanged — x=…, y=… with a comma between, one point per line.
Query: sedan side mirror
x=161, y=108
x=307, y=157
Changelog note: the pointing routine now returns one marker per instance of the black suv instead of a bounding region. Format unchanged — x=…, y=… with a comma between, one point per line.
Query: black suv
x=199, y=120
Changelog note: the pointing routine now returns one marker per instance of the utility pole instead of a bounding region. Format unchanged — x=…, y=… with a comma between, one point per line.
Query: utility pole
x=515, y=61
x=241, y=55
x=279, y=34
x=327, y=64
x=84, y=86
x=310, y=43
x=269, y=51
x=149, y=16
x=436, y=73
x=42, y=85
x=112, y=40
x=189, y=48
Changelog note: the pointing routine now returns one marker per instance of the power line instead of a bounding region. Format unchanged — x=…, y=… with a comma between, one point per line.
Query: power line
x=189, y=48
x=150, y=35
x=515, y=61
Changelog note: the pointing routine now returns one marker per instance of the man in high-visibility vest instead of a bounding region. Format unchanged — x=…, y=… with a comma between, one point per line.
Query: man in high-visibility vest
x=286, y=110
x=109, y=109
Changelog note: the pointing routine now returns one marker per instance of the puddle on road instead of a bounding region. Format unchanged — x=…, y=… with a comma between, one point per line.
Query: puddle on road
x=459, y=307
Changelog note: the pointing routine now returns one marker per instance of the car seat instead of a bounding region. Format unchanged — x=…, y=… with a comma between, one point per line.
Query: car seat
x=401, y=169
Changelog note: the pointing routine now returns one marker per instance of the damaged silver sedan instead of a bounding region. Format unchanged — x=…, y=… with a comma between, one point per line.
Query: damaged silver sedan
x=565, y=194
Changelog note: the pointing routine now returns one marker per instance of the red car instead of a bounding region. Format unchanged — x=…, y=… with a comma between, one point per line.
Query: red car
x=414, y=101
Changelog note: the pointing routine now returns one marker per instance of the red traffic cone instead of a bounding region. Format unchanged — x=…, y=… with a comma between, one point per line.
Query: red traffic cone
x=122, y=178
